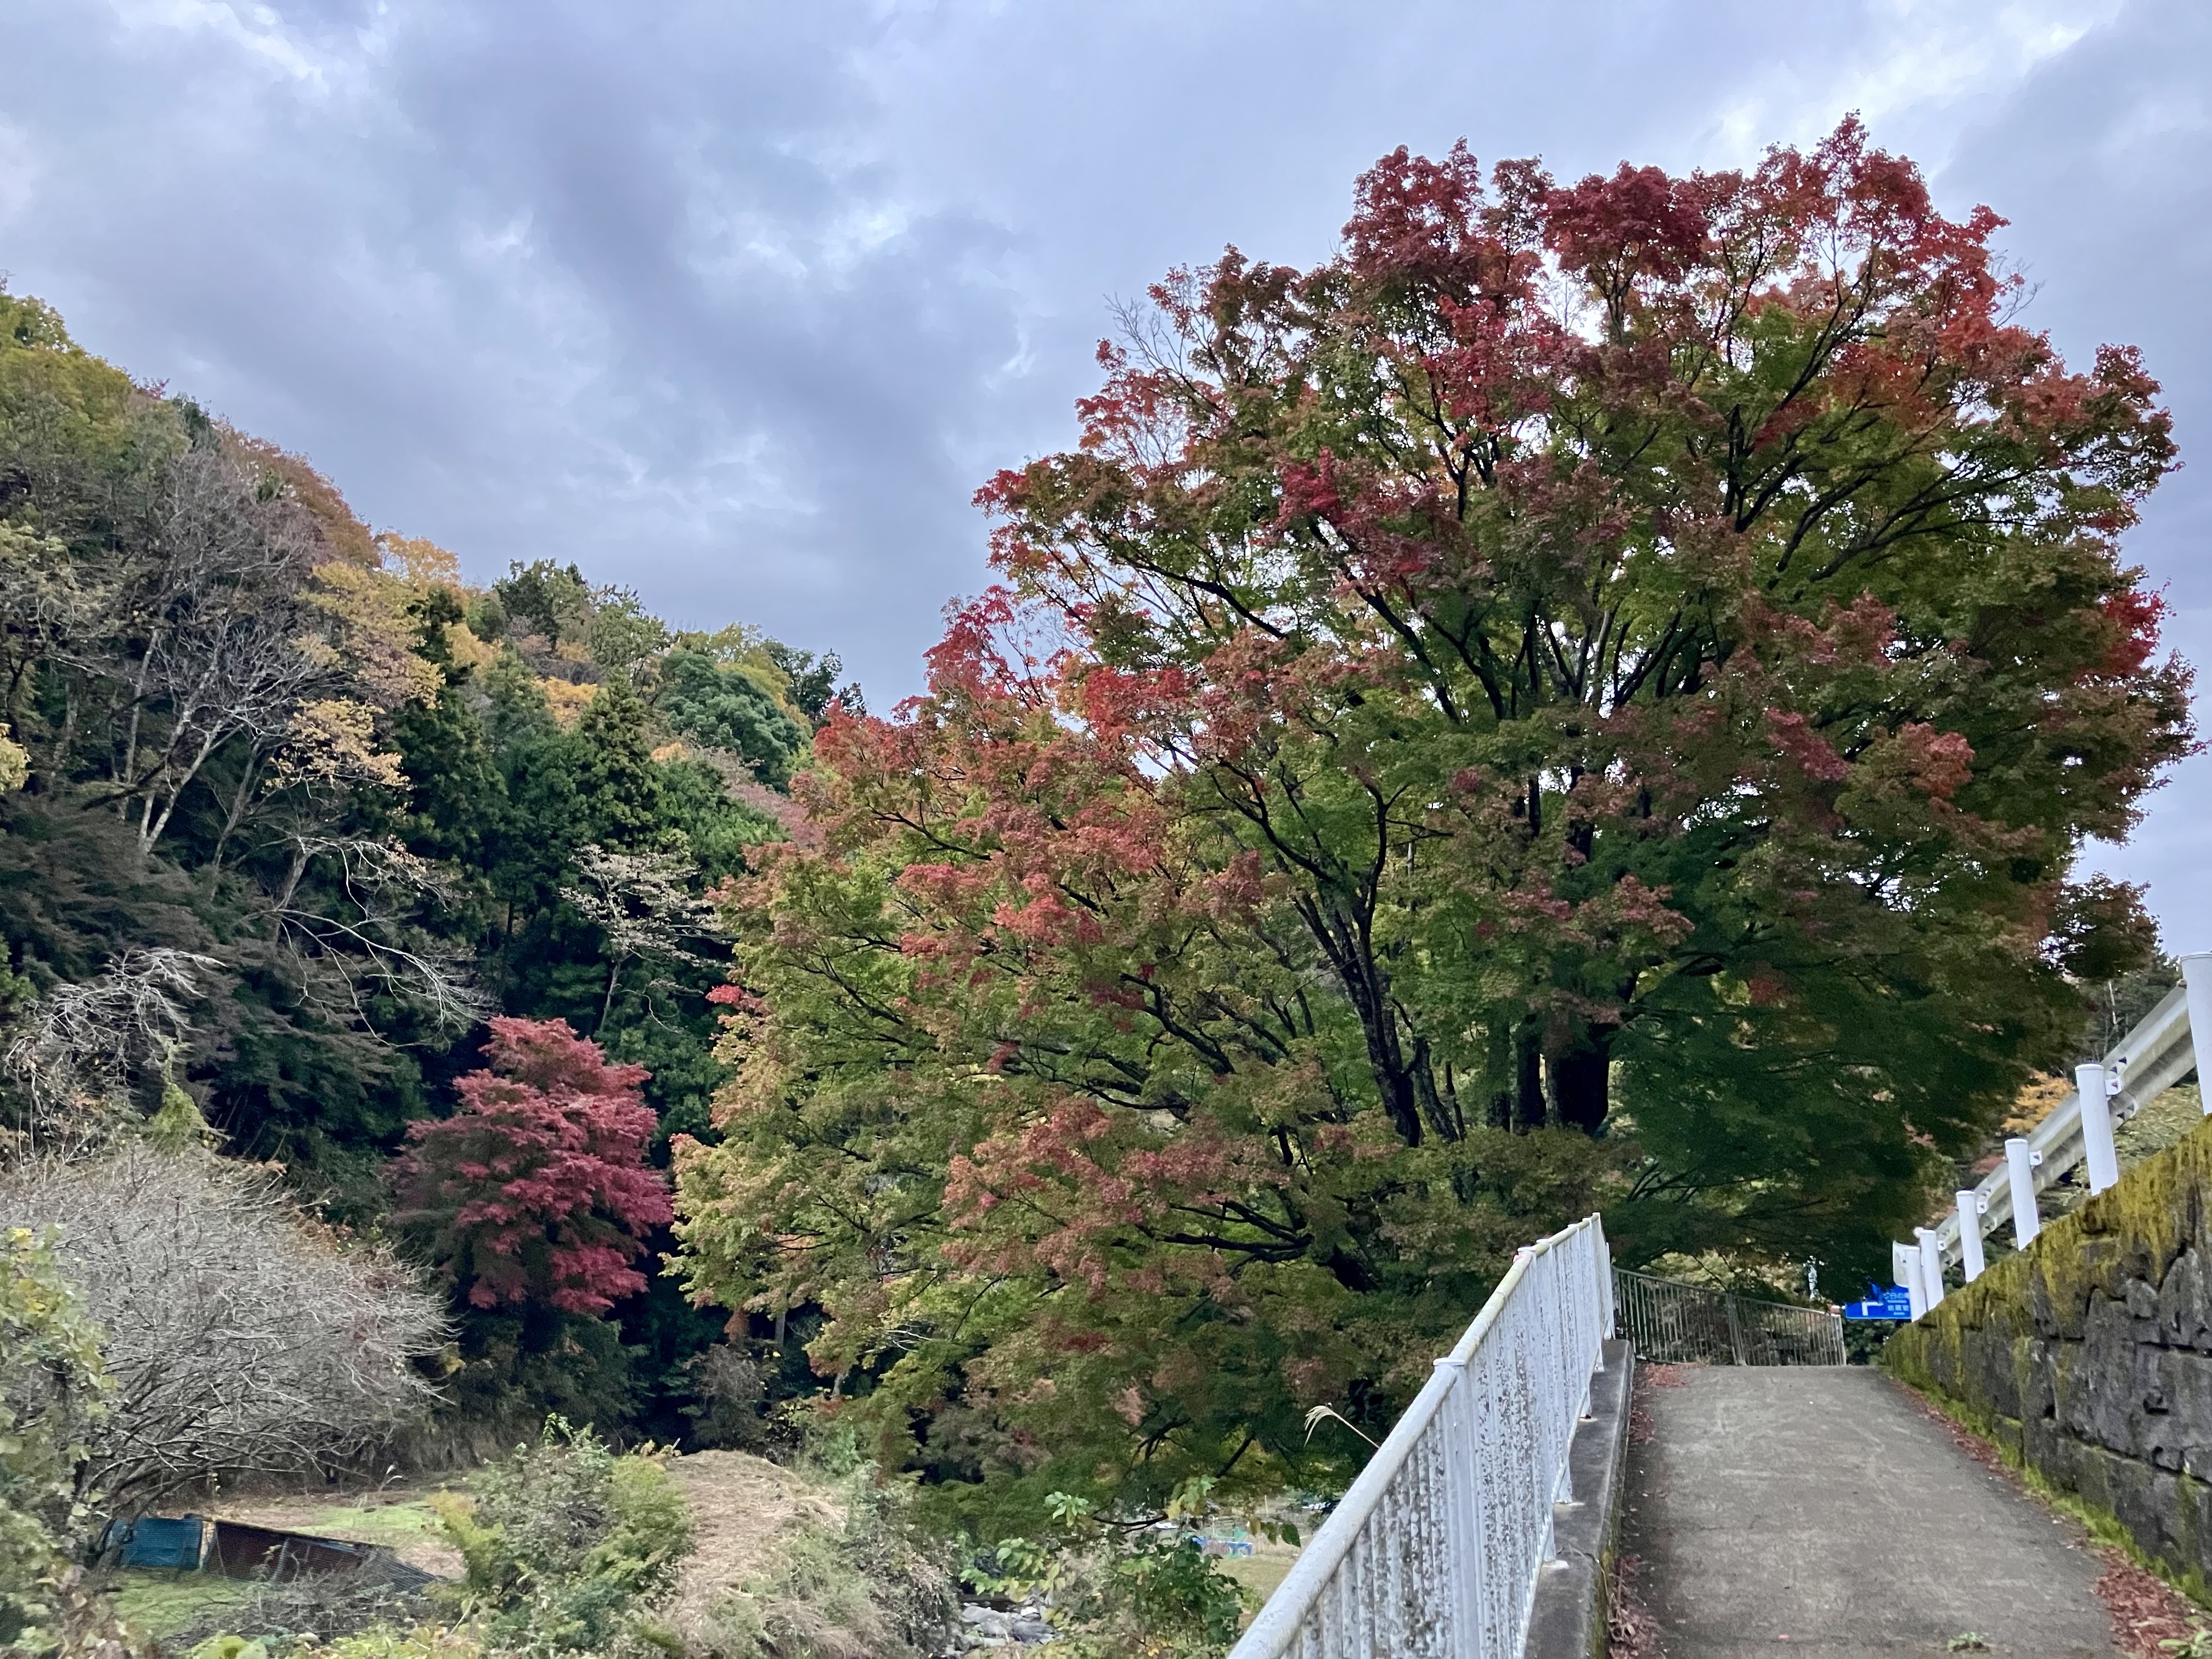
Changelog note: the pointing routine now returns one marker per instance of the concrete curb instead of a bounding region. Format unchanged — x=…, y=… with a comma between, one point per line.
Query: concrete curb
x=1573, y=1588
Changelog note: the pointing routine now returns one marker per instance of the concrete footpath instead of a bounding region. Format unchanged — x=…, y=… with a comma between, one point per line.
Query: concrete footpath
x=1816, y=1510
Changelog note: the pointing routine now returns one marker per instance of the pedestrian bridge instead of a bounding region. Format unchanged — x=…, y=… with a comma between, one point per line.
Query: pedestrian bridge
x=1769, y=1499
x=1766, y=1498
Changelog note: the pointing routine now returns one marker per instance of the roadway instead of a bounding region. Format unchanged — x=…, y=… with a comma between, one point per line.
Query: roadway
x=1817, y=1510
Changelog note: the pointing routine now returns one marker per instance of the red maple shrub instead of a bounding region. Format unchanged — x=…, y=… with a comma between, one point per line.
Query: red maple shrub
x=536, y=1190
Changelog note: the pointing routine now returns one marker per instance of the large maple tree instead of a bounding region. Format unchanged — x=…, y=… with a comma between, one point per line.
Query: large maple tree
x=537, y=1192
x=1592, y=694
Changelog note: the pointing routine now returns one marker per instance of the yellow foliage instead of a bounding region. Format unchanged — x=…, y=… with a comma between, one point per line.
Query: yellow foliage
x=334, y=742
x=2035, y=1103
x=419, y=561
x=468, y=650
x=566, y=699
x=376, y=631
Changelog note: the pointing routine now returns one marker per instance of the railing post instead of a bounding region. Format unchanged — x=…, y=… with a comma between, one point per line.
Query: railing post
x=1969, y=1233
x=2104, y=1159
x=1463, y=1490
x=1905, y=1270
x=1931, y=1267
x=1735, y=1330
x=2196, y=977
x=2020, y=1169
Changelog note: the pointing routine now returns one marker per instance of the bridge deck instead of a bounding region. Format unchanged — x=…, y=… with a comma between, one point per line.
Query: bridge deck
x=1815, y=1511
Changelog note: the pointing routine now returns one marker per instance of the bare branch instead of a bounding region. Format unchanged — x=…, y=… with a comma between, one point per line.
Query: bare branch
x=241, y=1338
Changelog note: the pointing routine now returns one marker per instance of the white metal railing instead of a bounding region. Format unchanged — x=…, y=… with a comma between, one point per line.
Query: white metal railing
x=2156, y=1054
x=1672, y=1323
x=1434, y=1552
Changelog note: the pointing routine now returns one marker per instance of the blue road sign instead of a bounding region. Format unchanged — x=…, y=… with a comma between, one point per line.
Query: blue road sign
x=1895, y=1302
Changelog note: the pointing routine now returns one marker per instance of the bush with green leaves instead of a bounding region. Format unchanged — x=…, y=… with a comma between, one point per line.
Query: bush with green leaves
x=566, y=1542
x=1122, y=1589
x=53, y=1392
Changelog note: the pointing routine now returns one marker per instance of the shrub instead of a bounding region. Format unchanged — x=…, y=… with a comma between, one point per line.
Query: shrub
x=52, y=1396
x=565, y=1542
x=1121, y=1591
x=240, y=1337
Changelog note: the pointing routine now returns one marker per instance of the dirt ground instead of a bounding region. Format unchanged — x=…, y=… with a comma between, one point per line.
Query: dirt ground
x=740, y=1505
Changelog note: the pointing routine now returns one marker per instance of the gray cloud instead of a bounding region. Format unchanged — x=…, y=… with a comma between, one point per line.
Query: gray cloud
x=739, y=302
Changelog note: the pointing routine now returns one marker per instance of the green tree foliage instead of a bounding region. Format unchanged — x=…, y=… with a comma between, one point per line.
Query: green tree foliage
x=565, y=1542
x=1591, y=696
x=53, y=1392
x=724, y=707
x=814, y=685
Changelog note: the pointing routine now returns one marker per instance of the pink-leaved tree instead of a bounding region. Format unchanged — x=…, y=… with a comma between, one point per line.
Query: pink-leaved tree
x=537, y=1191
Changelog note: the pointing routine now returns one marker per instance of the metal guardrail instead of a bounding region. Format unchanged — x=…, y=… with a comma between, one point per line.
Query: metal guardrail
x=2156, y=1054
x=1672, y=1323
x=1434, y=1552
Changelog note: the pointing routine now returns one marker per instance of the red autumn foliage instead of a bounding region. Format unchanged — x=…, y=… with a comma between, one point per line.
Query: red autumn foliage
x=536, y=1190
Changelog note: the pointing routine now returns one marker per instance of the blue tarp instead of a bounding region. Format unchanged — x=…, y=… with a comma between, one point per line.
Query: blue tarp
x=152, y=1541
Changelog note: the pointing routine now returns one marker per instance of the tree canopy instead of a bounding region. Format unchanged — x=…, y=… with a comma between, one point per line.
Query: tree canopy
x=1590, y=696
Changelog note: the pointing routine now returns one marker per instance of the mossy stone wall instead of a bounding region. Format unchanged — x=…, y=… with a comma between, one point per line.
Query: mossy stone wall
x=2088, y=1356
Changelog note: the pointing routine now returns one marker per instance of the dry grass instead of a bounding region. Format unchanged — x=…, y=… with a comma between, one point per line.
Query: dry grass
x=1263, y=1570
x=741, y=1506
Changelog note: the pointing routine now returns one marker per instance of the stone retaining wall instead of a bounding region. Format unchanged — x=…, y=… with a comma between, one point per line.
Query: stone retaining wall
x=2088, y=1356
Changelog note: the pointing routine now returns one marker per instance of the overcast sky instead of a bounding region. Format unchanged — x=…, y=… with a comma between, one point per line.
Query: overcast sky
x=739, y=302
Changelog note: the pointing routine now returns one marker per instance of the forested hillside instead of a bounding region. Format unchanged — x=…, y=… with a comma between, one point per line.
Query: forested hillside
x=297, y=810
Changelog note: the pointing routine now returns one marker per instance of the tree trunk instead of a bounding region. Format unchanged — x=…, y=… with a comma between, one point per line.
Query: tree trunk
x=1582, y=1081
x=128, y=775
x=291, y=880
x=230, y=820
x=607, y=1008
x=1528, y=1082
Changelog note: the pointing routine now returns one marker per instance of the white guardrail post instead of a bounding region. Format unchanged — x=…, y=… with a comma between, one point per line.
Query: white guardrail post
x=2020, y=1160
x=2097, y=1148
x=1434, y=1552
x=1905, y=1268
x=1970, y=1232
x=1931, y=1266
x=2197, y=988
x=2156, y=1054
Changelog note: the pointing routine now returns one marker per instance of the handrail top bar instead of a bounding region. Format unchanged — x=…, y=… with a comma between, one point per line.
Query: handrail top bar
x=1463, y=1350
x=1707, y=1290
x=2151, y=1040
x=1270, y=1632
